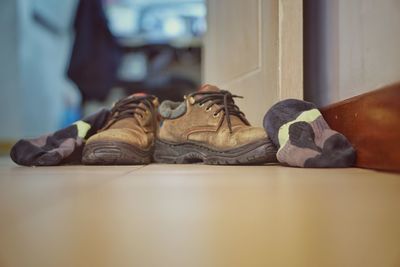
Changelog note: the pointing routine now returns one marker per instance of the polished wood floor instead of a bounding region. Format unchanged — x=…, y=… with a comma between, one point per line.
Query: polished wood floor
x=196, y=215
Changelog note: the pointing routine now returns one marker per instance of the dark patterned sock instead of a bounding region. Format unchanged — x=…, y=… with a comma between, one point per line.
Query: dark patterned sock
x=61, y=147
x=304, y=138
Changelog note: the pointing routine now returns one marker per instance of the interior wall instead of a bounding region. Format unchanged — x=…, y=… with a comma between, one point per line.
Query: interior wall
x=34, y=53
x=9, y=74
x=44, y=56
x=351, y=47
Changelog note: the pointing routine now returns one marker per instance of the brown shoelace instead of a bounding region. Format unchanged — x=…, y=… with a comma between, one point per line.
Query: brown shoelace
x=224, y=99
x=129, y=106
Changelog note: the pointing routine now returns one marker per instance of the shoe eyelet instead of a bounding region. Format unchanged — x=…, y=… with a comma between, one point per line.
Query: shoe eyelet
x=208, y=109
x=201, y=105
x=192, y=100
x=216, y=115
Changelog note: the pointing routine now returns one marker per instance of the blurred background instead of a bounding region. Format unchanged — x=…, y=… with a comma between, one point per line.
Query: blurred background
x=60, y=60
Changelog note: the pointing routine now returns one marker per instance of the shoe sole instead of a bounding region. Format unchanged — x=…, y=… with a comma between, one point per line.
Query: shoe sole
x=114, y=153
x=192, y=152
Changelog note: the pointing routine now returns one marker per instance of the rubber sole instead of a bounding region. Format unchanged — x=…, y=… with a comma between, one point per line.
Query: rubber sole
x=114, y=153
x=192, y=152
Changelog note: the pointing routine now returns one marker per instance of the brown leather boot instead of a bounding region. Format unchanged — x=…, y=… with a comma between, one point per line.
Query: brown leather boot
x=128, y=136
x=208, y=127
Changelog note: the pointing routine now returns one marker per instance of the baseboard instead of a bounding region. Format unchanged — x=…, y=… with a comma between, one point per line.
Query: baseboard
x=371, y=122
x=5, y=147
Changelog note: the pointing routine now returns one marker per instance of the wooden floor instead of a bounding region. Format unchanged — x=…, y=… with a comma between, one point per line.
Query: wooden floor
x=196, y=215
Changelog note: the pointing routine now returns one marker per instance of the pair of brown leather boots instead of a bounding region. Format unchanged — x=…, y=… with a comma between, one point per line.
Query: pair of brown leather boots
x=206, y=127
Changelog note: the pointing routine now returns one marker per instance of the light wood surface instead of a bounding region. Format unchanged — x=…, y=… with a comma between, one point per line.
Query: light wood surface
x=196, y=215
x=255, y=49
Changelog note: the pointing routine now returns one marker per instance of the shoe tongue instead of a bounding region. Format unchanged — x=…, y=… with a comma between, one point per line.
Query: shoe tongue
x=209, y=88
x=153, y=100
x=137, y=95
x=135, y=121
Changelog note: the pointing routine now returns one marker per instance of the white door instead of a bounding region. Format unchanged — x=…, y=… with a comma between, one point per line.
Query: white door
x=254, y=48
